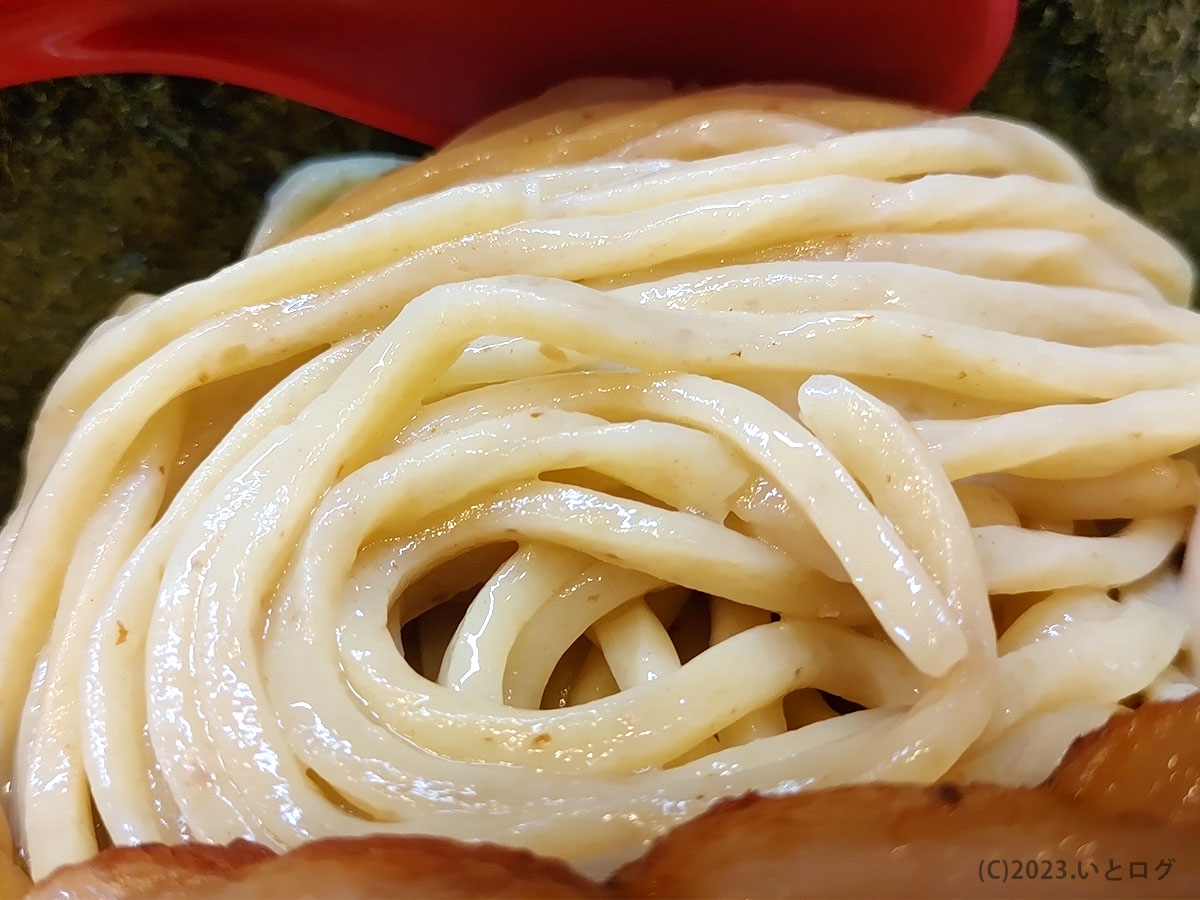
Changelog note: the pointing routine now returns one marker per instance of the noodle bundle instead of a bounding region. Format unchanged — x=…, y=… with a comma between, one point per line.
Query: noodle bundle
x=635, y=450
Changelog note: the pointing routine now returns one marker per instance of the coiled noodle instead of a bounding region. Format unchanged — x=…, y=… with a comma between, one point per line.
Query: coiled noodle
x=635, y=450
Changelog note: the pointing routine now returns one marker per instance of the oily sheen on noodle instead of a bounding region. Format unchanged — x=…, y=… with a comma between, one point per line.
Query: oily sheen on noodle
x=637, y=449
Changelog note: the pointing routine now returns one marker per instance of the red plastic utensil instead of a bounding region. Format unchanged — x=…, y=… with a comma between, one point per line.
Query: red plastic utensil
x=426, y=69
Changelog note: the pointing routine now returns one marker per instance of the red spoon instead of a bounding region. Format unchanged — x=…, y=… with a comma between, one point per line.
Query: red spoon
x=427, y=69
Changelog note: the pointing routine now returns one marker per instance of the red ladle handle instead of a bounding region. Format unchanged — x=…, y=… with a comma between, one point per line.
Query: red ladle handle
x=427, y=69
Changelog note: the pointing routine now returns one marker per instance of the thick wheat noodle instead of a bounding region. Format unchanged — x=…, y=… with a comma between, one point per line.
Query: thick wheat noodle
x=543, y=141
x=1079, y=440
x=663, y=412
x=1145, y=489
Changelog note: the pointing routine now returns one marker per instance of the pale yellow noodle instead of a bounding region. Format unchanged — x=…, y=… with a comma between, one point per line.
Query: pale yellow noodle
x=679, y=414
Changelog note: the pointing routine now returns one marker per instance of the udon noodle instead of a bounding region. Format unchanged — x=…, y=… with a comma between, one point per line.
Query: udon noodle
x=635, y=450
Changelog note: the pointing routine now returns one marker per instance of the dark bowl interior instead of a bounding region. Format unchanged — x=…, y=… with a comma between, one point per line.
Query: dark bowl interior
x=115, y=184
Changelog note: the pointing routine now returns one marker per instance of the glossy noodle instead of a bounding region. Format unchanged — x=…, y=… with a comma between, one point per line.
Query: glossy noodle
x=633, y=451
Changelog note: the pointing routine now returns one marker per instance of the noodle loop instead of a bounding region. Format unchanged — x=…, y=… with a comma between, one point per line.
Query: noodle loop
x=550, y=488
